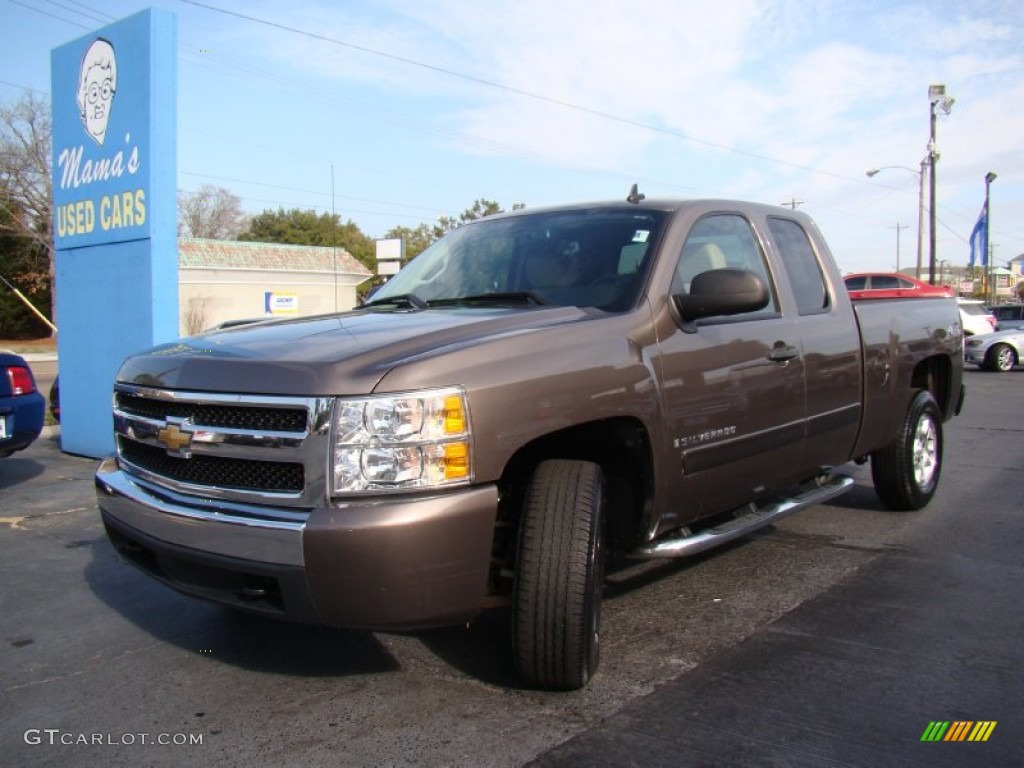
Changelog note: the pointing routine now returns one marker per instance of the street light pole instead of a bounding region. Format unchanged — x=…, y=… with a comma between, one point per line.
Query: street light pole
x=921, y=176
x=931, y=198
x=989, y=272
x=937, y=97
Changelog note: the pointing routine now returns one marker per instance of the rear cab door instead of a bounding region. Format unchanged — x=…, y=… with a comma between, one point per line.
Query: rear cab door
x=830, y=344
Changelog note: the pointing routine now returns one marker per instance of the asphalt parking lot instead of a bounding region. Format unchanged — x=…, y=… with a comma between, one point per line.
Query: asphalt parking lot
x=834, y=638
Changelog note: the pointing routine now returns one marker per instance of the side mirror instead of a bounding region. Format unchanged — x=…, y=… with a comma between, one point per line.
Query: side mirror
x=721, y=292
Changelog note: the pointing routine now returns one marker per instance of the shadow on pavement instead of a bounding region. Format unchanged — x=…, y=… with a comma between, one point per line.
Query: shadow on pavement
x=234, y=637
x=480, y=649
x=15, y=470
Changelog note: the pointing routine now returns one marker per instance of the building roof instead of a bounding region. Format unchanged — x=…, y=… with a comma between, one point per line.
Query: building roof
x=201, y=253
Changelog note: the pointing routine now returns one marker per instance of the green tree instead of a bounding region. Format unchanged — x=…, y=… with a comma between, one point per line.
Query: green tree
x=416, y=240
x=478, y=210
x=419, y=239
x=307, y=227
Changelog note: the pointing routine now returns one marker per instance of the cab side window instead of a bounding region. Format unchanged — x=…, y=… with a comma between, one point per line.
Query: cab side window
x=856, y=283
x=802, y=266
x=886, y=283
x=722, y=241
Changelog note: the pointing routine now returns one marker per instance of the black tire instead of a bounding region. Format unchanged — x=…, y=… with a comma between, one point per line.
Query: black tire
x=1001, y=358
x=556, y=606
x=906, y=472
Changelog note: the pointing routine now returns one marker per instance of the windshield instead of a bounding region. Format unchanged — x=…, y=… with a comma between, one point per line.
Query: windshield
x=592, y=257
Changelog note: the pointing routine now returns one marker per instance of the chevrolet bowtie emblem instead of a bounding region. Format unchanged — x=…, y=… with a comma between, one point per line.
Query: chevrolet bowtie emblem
x=174, y=439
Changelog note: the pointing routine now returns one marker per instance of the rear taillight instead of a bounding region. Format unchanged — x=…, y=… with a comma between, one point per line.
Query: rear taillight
x=992, y=321
x=21, y=380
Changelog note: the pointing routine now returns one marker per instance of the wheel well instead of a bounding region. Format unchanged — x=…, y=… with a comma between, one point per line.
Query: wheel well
x=936, y=375
x=620, y=446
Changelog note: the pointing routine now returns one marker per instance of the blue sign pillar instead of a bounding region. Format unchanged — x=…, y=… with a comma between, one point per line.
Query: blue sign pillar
x=114, y=212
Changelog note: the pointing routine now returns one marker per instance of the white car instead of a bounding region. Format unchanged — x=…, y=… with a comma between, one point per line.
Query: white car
x=1009, y=316
x=975, y=318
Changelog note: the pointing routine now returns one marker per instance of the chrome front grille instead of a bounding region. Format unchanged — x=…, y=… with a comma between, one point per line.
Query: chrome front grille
x=236, y=474
x=245, y=448
x=292, y=419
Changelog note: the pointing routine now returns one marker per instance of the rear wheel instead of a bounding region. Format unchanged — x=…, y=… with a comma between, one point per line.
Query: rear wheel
x=1001, y=358
x=559, y=576
x=906, y=472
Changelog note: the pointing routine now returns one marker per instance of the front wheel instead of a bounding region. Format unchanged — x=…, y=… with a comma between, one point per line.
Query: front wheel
x=556, y=606
x=906, y=472
x=1001, y=358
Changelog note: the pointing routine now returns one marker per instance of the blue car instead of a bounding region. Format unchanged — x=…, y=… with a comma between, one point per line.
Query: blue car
x=22, y=406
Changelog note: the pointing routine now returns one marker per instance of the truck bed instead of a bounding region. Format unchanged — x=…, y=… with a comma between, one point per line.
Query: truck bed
x=894, y=335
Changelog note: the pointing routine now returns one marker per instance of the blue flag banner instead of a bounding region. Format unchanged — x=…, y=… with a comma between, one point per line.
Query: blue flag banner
x=979, y=246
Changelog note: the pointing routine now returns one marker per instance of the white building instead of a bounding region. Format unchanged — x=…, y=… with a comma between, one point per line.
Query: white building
x=228, y=280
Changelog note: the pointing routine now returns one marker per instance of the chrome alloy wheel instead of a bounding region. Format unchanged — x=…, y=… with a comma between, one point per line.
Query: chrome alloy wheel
x=1004, y=358
x=926, y=451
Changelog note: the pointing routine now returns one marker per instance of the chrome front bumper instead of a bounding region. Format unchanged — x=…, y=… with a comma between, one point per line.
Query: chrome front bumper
x=389, y=563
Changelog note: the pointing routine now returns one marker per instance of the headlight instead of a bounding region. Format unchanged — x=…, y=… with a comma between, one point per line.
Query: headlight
x=974, y=342
x=400, y=442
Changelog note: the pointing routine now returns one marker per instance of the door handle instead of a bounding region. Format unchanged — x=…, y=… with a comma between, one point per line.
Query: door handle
x=782, y=353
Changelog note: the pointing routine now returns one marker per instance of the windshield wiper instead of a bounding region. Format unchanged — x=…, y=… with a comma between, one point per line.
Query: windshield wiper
x=401, y=300
x=506, y=297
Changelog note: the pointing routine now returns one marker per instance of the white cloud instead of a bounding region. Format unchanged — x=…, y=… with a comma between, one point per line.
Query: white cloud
x=825, y=90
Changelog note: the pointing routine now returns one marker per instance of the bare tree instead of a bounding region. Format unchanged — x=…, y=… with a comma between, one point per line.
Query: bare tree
x=26, y=188
x=212, y=212
x=195, y=315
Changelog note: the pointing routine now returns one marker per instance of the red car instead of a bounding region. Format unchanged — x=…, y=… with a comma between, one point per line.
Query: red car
x=891, y=285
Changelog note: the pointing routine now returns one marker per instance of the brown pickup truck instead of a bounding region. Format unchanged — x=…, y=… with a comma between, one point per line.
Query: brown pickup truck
x=535, y=393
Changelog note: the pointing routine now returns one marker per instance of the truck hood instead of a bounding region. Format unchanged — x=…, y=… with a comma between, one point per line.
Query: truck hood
x=329, y=355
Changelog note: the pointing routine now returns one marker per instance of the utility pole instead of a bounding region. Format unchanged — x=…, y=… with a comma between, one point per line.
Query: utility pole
x=898, y=227
x=938, y=98
x=792, y=203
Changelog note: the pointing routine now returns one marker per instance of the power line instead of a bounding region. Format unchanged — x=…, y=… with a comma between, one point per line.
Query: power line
x=258, y=74
x=91, y=13
x=306, y=191
x=520, y=91
x=50, y=15
x=24, y=88
x=501, y=148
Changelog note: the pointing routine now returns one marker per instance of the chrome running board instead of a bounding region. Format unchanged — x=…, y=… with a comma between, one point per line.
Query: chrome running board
x=684, y=544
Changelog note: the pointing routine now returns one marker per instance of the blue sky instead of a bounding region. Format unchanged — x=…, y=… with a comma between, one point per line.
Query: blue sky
x=418, y=108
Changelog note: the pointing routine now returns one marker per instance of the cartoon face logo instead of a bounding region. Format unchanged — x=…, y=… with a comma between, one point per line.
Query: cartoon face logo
x=97, y=82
